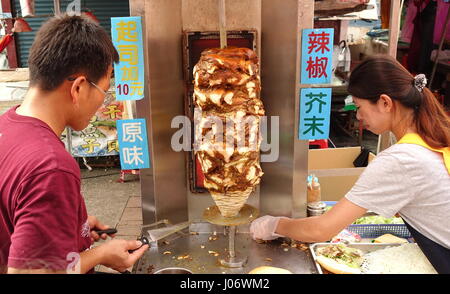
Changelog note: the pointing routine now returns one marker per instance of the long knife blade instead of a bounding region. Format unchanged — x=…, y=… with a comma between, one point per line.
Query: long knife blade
x=161, y=233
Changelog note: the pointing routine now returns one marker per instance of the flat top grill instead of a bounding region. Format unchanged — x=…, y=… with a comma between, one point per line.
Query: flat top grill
x=200, y=253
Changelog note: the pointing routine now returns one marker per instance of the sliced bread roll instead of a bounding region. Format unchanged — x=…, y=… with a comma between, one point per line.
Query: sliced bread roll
x=335, y=267
x=269, y=270
x=389, y=238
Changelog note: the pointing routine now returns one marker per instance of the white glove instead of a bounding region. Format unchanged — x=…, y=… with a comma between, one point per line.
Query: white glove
x=264, y=227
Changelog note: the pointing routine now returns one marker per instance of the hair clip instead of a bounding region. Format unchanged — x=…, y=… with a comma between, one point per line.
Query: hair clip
x=420, y=82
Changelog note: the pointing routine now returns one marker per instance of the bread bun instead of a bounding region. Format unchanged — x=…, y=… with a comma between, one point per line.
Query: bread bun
x=269, y=270
x=389, y=238
x=335, y=267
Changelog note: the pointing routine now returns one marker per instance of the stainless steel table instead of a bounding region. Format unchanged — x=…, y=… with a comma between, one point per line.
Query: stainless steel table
x=200, y=253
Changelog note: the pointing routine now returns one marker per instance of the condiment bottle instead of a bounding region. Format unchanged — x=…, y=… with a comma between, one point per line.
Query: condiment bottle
x=316, y=208
x=313, y=193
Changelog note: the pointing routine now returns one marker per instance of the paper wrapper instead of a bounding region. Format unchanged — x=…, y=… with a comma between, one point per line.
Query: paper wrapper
x=231, y=203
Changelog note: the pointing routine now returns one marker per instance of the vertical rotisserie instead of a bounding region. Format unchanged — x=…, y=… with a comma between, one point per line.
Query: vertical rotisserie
x=228, y=109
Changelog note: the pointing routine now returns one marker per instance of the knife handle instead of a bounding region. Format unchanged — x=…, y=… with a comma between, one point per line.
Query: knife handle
x=108, y=232
x=143, y=240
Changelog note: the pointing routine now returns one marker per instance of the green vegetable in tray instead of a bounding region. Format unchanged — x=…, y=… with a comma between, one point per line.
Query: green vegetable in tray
x=377, y=220
x=374, y=219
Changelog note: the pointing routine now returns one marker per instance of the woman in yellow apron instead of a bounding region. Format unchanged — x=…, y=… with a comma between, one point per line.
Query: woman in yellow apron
x=411, y=178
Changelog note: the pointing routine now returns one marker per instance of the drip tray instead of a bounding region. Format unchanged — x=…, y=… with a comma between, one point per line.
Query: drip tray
x=200, y=253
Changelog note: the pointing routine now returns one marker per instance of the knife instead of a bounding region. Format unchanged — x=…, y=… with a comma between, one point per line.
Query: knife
x=143, y=239
x=107, y=232
x=161, y=233
x=158, y=234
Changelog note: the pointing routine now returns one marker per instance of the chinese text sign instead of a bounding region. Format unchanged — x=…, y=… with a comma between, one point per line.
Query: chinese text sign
x=315, y=111
x=132, y=135
x=99, y=138
x=317, y=52
x=129, y=72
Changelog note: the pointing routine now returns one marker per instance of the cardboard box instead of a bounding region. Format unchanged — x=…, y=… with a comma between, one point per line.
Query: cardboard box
x=335, y=170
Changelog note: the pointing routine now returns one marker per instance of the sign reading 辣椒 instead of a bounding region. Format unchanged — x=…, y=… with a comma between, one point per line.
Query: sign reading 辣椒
x=317, y=52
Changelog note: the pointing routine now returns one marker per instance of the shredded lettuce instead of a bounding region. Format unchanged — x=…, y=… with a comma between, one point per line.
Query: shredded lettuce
x=374, y=219
x=377, y=220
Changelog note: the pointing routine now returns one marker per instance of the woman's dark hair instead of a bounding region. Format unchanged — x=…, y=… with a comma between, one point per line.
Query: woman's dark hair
x=382, y=74
x=66, y=45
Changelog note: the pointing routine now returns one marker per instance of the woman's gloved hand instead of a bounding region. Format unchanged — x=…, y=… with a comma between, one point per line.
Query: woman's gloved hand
x=263, y=228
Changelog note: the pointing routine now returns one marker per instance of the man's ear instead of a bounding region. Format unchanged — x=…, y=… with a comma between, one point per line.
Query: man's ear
x=385, y=103
x=76, y=89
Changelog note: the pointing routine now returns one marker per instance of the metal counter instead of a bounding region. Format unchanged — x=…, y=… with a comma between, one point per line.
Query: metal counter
x=200, y=253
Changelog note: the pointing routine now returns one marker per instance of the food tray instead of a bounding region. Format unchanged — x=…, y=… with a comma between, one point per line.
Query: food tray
x=375, y=231
x=365, y=247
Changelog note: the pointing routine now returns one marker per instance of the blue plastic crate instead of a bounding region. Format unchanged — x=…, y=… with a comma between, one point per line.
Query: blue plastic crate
x=375, y=231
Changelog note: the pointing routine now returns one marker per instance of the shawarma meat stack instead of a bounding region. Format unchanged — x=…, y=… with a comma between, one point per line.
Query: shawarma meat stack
x=228, y=110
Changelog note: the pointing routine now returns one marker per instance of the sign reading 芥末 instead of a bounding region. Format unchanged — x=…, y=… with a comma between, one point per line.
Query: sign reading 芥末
x=315, y=111
x=317, y=54
x=129, y=72
x=132, y=136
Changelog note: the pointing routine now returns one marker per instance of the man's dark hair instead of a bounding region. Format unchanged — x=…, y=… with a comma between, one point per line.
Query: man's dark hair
x=66, y=45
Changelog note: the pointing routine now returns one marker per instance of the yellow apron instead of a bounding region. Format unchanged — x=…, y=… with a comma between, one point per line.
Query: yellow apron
x=413, y=138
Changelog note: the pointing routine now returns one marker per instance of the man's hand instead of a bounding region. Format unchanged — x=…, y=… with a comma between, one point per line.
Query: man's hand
x=264, y=228
x=116, y=255
x=95, y=224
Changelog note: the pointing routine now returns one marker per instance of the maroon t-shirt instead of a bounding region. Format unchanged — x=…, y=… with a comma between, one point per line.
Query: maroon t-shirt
x=43, y=218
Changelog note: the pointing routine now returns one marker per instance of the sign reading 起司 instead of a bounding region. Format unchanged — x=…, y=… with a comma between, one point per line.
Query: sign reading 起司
x=133, y=144
x=317, y=56
x=129, y=72
x=315, y=111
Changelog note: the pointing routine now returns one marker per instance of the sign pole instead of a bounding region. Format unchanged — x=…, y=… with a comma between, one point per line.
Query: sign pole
x=222, y=24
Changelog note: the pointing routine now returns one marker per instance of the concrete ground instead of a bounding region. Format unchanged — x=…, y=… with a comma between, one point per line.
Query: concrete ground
x=115, y=204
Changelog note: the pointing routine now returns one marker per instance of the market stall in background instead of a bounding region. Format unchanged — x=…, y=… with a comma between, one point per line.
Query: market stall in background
x=99, y=139
x=361, y=29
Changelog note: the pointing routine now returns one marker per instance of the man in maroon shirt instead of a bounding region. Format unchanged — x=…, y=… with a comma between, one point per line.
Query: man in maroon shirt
x=44, y=226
